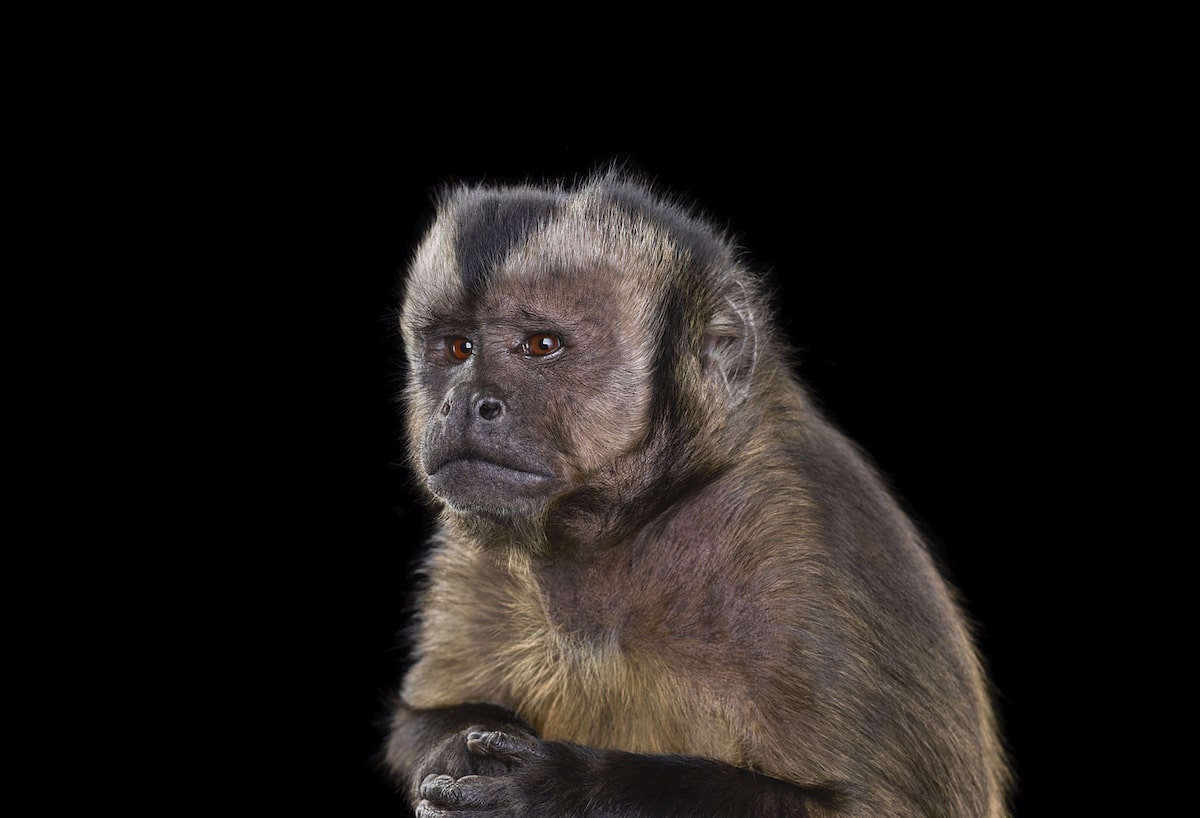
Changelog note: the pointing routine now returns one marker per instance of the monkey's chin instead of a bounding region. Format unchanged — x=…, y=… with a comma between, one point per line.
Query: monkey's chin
x=489, y=489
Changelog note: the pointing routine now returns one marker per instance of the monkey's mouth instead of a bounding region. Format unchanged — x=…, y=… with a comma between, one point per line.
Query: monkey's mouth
x=502, y=471
x=476, y=483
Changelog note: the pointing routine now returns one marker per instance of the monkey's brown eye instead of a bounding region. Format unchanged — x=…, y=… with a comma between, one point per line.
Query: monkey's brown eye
x=461, y=349
x=542, y=344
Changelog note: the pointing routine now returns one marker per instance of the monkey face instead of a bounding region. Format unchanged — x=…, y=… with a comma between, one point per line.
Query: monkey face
x=523, y=391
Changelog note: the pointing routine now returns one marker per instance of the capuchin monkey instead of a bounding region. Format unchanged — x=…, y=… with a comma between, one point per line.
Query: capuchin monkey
x=662, y=584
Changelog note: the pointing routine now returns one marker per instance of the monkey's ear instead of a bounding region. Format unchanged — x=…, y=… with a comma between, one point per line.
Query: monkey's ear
x=730, y=349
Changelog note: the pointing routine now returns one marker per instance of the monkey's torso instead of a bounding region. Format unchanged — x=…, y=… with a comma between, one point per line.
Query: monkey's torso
x=727, y=629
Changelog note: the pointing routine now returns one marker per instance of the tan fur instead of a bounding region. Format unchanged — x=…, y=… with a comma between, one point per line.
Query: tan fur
x=593, y=690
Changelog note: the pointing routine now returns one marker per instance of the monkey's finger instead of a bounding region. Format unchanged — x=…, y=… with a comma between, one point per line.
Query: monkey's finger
x=427, y=810
x=503, y=746
x=460, y=795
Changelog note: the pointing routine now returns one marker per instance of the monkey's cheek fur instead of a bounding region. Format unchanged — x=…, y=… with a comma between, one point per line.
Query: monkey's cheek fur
x=482, y=486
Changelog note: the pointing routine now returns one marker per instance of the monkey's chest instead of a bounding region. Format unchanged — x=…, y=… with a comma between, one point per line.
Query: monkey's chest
x=611, y=666
x=613, y=688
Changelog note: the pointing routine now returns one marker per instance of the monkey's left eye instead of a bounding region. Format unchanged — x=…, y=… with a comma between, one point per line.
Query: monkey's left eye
x=542, y=344
x=461, y=349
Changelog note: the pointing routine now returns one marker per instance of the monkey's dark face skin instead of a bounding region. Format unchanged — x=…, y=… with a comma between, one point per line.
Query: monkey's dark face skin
x=482, y=449
x=521, y=397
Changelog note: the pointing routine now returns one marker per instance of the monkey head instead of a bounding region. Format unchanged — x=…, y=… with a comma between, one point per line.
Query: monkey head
x=569, y=349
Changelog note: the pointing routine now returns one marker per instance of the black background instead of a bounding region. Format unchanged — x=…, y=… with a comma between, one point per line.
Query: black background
x=965, y=221
x=917, y=267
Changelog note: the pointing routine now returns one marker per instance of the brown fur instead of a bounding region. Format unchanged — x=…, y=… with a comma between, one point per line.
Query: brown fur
x=716, y=571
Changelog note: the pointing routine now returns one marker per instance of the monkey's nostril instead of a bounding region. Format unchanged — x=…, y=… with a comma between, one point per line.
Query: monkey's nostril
x=490, y=408
x=445, y=409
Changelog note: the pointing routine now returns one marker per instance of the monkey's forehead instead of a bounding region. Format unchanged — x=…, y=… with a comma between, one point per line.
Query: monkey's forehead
x=485, y=235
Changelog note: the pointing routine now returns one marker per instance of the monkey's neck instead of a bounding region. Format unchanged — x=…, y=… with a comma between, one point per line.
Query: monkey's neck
x=615, y=510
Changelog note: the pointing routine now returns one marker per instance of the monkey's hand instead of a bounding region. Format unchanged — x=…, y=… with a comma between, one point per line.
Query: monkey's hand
x=551, y=778
x=482, y=761
x=426, y=744
x=517, y=775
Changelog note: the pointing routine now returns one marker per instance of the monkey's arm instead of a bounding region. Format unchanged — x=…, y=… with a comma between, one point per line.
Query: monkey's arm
x=479, y=760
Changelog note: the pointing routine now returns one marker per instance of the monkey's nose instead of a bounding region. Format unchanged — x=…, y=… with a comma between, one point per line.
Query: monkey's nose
x=489, y=408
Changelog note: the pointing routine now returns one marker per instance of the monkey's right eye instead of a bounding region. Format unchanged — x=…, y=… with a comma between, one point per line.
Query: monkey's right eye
x=460, y=348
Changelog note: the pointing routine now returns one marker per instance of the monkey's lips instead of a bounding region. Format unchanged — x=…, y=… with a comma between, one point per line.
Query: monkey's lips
x=473, y=483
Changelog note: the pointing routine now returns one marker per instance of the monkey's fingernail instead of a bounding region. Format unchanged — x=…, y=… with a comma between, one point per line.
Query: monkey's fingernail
x=491, y=743
x=483, y=737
